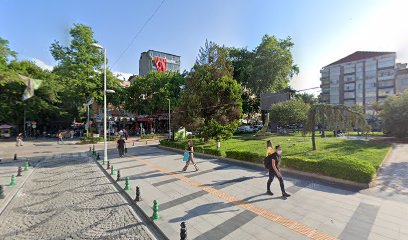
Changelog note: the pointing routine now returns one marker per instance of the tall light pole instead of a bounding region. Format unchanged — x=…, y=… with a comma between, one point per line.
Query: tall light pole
x=169, y=119
x=105, y=150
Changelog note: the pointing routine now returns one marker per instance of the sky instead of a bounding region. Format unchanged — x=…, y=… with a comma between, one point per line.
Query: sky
x=323, y=31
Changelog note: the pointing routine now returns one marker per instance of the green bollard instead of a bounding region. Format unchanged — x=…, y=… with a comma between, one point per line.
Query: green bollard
x=90, y=149
x=2, y=196
x=155, y=211
x=127, y=186
x=103, y=162
x=13, y=181
x=93, y=148
x=112, y=171
x=25, y=166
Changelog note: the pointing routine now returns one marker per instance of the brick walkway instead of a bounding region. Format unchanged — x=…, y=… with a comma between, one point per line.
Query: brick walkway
x=68, y=197
x=228, y=201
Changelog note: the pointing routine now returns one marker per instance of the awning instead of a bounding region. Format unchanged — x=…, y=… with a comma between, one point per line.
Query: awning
x=6, y=126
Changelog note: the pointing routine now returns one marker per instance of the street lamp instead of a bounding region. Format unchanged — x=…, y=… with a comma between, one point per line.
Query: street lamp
x=105, y=150
x=169, y=119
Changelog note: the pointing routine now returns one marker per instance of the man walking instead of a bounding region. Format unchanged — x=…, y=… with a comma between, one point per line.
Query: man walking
x=275, y=171
x=19, y=139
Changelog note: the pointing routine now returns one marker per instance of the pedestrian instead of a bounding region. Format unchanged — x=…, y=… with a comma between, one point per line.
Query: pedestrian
x=121, y=144
x=190, y=150
x=125, y=133
x=60, y=137
x=71, y=133
x=275, y=171
x=19, y=139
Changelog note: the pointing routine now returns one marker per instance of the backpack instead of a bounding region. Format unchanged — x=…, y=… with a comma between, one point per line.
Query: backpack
x=268, y=161
x=186, y=155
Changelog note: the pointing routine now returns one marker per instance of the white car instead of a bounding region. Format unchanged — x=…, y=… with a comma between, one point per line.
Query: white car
x=248, y=129
x=189, y=133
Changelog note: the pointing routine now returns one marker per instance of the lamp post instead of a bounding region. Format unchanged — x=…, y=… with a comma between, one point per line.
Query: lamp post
x=105, y=150
x=169, y=119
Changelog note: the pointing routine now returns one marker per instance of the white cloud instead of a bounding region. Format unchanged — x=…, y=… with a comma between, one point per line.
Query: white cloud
x=122, y=75
x=42, y=64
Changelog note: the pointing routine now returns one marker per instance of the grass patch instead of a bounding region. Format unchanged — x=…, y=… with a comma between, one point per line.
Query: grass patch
x=338, y=157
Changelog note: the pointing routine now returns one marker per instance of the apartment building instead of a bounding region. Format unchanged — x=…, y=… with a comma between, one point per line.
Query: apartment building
x=155, y=61
x=363, y=78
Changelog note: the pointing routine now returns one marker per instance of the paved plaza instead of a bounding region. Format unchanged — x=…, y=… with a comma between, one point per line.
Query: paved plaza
x=67, y=196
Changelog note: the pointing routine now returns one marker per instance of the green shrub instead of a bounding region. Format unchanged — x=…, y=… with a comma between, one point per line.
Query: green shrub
x=300, y=163
x=149, y=136
x=210, y=151
x=348, y=169
x=245, y=156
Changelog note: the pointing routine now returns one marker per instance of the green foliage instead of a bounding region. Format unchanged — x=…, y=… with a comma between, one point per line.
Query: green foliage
x=211, y=101
x=5, y=53
x=334, y=117
x=394, y=114
x=148, y=94
x=289, y=112
x=80, y=68
x=307, y=98
x=150, y=136
x=245, y=156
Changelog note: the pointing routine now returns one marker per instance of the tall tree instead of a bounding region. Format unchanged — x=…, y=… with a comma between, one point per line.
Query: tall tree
x=80, y=68
x=5, y=53
x=211, y=101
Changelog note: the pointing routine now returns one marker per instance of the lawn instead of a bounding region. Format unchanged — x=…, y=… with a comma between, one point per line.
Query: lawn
x=354, y=160
x=296, y=145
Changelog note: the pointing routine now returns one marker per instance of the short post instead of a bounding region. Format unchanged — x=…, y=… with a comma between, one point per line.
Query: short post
x=133, y=143
x=118, y=176
x=15, y=156
x=146, y=142
x=26, y=166
x=98, y=157
x=19, y=170
x=137, y=199
x=2, y=196
x=108, y=165
x=13, y=181
x=93, y=148
x=112, y=171
x=183, y=231
x=127, y=186
x=90, y=149
x=155, y=211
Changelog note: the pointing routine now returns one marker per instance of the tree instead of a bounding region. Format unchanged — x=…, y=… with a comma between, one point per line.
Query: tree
x=307, y=98
x=394, y=114
x=289, y=112
x=334, y=117
x=273, y=65
x=268, y=68
x=211, y=101
x=80, y=69
x=148, y=94
x=5, y=53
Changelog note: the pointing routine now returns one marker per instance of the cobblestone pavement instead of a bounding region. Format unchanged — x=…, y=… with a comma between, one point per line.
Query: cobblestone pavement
x=68, y=197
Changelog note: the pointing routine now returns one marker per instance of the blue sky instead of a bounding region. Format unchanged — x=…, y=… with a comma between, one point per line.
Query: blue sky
x=323, y=31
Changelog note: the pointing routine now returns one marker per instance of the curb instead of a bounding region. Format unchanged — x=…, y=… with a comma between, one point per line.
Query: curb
x=16, y=190
x=152, y=226
x=328, y=179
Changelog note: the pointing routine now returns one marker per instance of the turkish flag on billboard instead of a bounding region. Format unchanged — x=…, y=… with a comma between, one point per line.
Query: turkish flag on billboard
x=160, y=64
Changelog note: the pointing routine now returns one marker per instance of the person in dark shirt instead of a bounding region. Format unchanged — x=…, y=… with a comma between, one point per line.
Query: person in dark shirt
x=275, y=171
x=121, y=146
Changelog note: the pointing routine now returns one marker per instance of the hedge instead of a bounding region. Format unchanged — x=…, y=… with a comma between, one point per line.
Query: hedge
x=346, y=168
x=245, y=156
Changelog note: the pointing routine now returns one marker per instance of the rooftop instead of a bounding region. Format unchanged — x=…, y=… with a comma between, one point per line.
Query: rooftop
x=150, y=50
x=358, y=56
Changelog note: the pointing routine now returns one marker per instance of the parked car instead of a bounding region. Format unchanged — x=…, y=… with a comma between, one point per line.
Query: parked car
x=189, y=133
x=246, y=129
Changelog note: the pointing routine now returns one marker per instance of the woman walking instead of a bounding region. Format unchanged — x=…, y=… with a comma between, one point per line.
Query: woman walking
x=190, y=150
x=19, y=139
x=275, y=171
x=121, y=144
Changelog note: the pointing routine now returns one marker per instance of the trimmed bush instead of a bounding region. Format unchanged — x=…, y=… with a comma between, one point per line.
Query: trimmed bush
x=300, y=163
x=245, y=156
x=210, y=151
x=348, y=168
x=149, y=136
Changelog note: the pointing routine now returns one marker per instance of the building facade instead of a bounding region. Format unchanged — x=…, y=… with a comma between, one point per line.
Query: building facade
x=155, y=61
x=363, y=78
